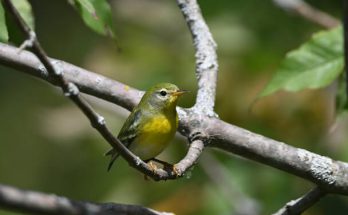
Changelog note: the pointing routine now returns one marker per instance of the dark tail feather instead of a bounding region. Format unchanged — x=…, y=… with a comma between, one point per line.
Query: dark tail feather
x=114, y=156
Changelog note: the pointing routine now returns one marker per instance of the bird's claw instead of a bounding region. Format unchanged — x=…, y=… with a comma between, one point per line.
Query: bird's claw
x=166, y=166
x=176, y=170
x=152, y=166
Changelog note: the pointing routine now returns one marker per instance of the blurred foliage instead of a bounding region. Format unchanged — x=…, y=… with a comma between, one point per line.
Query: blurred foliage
x=48, y=145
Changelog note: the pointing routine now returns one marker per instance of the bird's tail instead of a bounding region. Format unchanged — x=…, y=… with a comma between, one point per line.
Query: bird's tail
x=114, y=155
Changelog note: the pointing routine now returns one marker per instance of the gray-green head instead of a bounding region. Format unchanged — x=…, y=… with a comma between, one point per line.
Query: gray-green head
x=163, y=96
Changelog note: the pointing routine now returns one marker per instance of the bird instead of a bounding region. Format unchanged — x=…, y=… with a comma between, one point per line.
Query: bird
x=151, y=125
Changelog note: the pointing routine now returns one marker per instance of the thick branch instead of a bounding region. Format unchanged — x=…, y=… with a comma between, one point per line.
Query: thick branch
x=328, y=173
x=301, y=204
x=103, y=87
x=308, y=12
x=41, y=203
x=206, y=58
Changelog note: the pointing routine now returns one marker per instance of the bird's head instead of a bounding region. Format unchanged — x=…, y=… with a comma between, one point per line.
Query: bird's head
x=163, y=96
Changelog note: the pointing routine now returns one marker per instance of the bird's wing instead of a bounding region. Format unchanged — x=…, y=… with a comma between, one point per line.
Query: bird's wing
x=129, y=131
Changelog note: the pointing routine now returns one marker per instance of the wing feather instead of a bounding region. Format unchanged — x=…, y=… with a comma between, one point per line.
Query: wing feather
x=127, y=134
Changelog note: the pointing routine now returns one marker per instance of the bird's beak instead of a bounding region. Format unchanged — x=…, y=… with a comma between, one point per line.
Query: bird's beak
x=180, y=92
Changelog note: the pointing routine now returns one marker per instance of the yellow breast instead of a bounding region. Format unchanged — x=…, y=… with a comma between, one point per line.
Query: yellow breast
x=159, y=124
x=154, y=138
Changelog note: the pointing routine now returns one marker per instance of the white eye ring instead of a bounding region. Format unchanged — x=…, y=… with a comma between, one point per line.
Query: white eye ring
x=163, y=92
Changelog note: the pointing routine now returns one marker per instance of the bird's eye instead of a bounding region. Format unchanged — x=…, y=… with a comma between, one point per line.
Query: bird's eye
x=163, y=93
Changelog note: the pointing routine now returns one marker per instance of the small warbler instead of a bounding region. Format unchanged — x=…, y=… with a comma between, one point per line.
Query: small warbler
x=151, y=125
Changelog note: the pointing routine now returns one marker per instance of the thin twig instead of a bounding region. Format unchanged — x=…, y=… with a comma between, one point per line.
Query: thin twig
x=42, y=203
x=308, y=12
x=298, y=206
x=321, y=170
x=194, y=152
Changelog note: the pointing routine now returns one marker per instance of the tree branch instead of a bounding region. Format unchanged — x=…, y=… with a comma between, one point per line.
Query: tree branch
x=41, y=203
x=194, y=152
x=308, y=12
x=301, y=204
x=88, y=82
x=206, y=58
x=321, y=170
x=329, y=174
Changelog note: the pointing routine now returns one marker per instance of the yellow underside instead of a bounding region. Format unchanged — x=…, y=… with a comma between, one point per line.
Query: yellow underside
x=154, y=138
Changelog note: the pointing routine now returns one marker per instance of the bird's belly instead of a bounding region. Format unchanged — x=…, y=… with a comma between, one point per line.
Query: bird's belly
x=155, y=137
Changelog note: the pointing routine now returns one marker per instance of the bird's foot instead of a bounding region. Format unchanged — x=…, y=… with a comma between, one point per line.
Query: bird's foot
x=152, y=167
x=176, y=170
x=168, y=167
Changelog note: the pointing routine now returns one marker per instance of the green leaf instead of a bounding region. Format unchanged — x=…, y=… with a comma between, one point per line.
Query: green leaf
x=315, y=64
x=24, y=9
x=3, y=27
x=96, y=14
